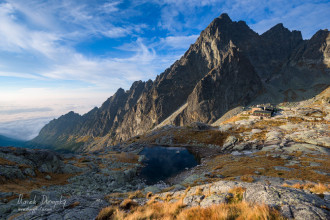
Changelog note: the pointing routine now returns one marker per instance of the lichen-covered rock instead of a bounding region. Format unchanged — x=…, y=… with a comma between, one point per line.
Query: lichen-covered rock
x=213, y=200
x=229, y=142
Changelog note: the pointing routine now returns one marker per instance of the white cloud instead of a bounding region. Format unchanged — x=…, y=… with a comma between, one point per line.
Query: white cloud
x=66, y=63
x=110, y=7
x=178, y=42
x=307, y=18
x=20, y=75
x=117, y=32
x=108, y=72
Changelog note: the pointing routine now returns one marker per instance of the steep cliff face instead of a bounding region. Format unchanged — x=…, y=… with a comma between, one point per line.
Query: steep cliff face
x=229, y=65
x=234, y=83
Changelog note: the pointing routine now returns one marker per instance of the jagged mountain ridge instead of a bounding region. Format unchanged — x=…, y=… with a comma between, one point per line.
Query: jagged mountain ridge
x=229, y=65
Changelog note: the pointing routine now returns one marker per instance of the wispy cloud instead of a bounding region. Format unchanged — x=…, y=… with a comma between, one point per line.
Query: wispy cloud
x=178, y=42
x=307, y=16
x=64, y=62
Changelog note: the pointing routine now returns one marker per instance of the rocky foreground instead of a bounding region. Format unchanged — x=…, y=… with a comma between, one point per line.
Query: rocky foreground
x=39, y=176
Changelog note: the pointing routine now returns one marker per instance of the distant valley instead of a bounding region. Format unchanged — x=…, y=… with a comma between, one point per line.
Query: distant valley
x=10, y=142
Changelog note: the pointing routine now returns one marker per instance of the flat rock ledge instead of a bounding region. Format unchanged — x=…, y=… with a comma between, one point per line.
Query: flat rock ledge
x=293, y=203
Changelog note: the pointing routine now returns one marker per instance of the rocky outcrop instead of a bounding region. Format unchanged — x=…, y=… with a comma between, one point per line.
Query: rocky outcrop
x=293, y=203
x=81, y=181
x=228, y=66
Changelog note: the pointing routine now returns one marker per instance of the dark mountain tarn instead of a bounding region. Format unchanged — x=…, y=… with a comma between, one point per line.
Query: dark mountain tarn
x=164, y=162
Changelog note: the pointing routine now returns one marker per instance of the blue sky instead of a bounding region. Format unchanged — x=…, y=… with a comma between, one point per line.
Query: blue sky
x=63, y=55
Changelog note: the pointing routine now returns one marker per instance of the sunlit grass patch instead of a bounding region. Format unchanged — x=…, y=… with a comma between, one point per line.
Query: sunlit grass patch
x=236, y=209
x=231, y=167
x=136, y=194
x=27, y=185
x=240, y=210
x=214, y=137
x=107, y=213
x=236, y=195
x=268, y=123
x=125, y=157
x=318, y=188
x=128, y=204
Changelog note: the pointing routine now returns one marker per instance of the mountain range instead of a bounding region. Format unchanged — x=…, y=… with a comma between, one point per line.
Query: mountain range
x=228, y=66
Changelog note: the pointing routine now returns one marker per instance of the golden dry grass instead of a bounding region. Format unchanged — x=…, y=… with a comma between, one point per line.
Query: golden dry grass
x=136, y=194
x=128, y=204
x=106, y=213
x=247, y=178
x=117, y=195
x=231, y=166
x=177, y=211
x=124, y=157
x=237, y=195
x=149, y=194
x=199, y=191
x=318, y=188
x=268, y=123
x=232, y=119
x=205, y=137
x=259, y=136
x=26, y=185
x=169, y=210
x=188, y=136
x=238, y=211
x=71, y=206
x=4, y=161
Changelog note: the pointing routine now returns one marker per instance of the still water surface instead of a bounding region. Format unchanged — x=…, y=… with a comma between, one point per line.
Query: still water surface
x=164, y=162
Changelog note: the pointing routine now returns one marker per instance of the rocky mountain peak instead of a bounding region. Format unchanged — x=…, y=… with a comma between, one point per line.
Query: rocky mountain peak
x=225, y=17
x=224, y=27
x=282, y=33
x=228, y=66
